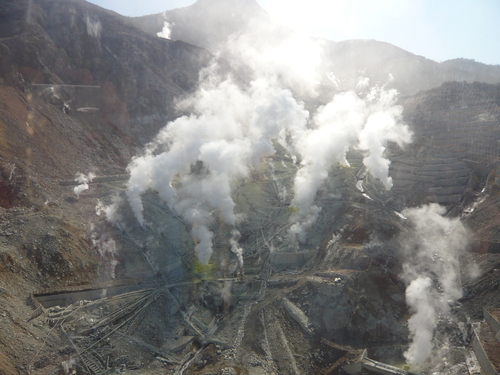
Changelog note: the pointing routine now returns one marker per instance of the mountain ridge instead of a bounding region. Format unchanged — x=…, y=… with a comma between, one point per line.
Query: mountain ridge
x=45, y=50
x=80, y=94
x=344, y=59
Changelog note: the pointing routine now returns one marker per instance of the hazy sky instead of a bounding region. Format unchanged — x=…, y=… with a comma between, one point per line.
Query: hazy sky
x=437, y=29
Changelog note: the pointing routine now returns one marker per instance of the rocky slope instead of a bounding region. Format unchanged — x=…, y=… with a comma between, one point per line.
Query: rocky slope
x=42, y=44
x=113, y=98
x=81, y=92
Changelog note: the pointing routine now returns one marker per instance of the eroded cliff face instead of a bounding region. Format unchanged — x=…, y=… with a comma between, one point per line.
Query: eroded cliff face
x=82, y=92
x=77, y=43
x=70, y=102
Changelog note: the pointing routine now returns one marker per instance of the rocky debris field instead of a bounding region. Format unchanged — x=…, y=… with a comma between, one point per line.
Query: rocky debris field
x=81, y=295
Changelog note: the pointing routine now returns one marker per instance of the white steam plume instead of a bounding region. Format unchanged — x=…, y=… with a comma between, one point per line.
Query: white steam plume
x=432, y=274
x=165, y=32
x=348, y=121
x=419, y=296
x=235, y=246
x=83, y=181
x=229, y=131
x=107, y=248
x=94, y=27
x=194, y=161
x=278, y=54
x=384, y=124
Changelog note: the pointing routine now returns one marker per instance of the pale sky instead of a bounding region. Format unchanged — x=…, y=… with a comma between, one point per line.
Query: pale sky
x=437, y=29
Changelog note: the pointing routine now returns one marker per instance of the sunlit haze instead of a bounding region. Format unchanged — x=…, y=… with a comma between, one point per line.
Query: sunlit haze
x=439, y=30
x=249, y=186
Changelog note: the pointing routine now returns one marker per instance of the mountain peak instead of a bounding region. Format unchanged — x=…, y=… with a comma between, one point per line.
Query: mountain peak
x=215, y=21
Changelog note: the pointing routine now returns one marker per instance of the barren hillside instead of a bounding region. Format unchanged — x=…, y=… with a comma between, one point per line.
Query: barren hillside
x=86, y=287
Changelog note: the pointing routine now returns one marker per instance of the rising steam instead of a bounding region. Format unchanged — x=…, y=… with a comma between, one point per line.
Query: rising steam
x=83, y=183
x=195, y=160
x=94, y=27
x=432, y=274
x=165, y=32
x=348, y=121
x=202, y=155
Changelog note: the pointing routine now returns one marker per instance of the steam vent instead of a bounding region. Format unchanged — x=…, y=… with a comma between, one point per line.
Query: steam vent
x=204, y=191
